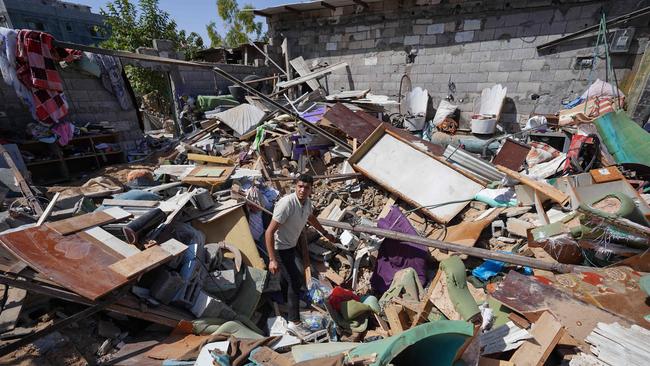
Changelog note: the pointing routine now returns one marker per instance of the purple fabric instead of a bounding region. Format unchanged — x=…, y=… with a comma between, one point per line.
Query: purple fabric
x=315, y=114
x=395, y=255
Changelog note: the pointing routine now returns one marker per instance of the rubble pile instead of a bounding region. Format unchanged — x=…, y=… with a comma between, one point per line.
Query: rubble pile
x=527, y=248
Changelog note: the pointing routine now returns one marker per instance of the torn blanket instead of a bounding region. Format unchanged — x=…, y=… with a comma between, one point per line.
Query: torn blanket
x=36, y=60
x=395, y=255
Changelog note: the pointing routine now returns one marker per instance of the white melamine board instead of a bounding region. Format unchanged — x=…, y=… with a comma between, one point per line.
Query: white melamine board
x=415, y=175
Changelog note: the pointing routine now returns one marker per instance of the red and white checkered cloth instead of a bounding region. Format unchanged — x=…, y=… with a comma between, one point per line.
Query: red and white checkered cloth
x=36, y=60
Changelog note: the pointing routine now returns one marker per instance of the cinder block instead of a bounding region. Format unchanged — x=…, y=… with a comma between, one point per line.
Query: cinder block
x=497, y=77
x=533, y=65
x=524, y=53
x=472, y=24
x=206, y=306
x=528, y=87
x=489, y=66
x=331, y=46
x=419, y=29
x=166, y=285
x=466, y=36
x=411, y=40
x=513, y=65
x=437, y=28
x=519, y=76
x=471, y=67
x=481, y=56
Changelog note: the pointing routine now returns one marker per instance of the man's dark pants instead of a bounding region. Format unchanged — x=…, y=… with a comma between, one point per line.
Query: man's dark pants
x=291, y=271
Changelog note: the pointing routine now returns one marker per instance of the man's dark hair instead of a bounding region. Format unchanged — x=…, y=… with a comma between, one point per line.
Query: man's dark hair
x=306, y=178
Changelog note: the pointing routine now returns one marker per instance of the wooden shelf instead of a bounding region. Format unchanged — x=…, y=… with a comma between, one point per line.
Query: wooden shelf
x=69, y=167
x=79, y=157
x=43, y=162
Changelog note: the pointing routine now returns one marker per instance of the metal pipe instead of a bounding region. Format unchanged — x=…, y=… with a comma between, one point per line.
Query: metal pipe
x=268, y=58
x=474, y=252
x=621, y=19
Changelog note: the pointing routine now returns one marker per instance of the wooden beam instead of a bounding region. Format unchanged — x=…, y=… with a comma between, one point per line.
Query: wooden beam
x=362, y=3
x=327, y=5
x=293, y=10
x=48, y=209
x=261, y=14
x=313, y=75
x=547, y=332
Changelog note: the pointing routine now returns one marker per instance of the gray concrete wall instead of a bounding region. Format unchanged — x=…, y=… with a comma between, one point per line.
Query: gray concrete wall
x=88, y=100
x=206, y=82
x=474, y=44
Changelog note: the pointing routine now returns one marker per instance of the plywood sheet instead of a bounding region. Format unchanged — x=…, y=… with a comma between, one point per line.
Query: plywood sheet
x=353, y=124
x=210, y=180
x=415, y=176
x=141, y=262
x=79, y=223
x=71, y=261
x=547, y=332
x=233, y=229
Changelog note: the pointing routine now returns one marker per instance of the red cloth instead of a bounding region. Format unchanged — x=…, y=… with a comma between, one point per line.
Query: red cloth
x=36, y=60
x=340, y=295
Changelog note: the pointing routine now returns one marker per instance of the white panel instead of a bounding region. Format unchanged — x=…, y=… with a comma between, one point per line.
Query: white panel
x=415, y=175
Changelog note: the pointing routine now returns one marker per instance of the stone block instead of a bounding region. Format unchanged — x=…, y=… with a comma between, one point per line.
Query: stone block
x=451, y=68
x=472, y=24
x=542, y=76
x=419, y=29
x=368, y=43
x=437, y=28
x=411, y=40
x=471, y=67
x=512, y=65
x=501, y=55
x=462, y=37
x=481, y=56
x=528, y=87
x=428, y=40
x=497, y=77
x=519, y=76
x=489, y=66
x=524, y=53
x=533, y=64
x=359, y=36
x=331, y=46
x=564, y=75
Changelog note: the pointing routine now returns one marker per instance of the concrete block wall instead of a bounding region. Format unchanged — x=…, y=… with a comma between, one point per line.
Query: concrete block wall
x=473, y=44
x=88, y=101
x=205, y=82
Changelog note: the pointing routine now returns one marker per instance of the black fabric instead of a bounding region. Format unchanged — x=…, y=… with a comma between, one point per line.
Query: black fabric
x=291, y=271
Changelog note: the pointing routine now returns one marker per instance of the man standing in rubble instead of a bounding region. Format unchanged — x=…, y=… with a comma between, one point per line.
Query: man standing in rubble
x=290, y=215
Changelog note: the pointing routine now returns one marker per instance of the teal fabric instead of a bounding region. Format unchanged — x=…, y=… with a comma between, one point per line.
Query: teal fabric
x=430, y=344
x=625, y=140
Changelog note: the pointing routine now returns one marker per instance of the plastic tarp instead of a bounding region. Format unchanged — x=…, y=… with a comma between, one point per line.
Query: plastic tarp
x=432, y=344
x=241, y=119
x=625, y=140
x=210, y=102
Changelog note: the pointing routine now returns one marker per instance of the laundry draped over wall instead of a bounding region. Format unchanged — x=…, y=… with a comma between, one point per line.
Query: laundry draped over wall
x=28, y=61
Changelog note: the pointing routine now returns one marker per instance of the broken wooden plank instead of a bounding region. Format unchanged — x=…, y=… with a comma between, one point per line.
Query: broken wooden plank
x=397, y=318
x=141, y=262
x=531, y=297
x=302, y=69
x=547, y=332
x=79, y=223
x=130, y=203
x=11, y=310
x=110, y=241
x=48, y=209
x=541, y=187
x=210, y=159
x=311, y=75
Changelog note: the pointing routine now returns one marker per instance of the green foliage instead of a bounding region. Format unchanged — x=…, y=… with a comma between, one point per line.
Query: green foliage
x=131, y=28
x=241, y=24
x=213, y=34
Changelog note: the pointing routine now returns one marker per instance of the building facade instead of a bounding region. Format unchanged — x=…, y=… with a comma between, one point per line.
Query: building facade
x=66, y=21
x=460, y=47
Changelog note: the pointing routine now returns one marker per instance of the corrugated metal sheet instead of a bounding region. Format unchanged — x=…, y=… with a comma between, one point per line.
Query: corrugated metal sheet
x=471, y=164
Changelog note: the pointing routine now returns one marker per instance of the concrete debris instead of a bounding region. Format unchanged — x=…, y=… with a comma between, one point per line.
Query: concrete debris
x=331, y=215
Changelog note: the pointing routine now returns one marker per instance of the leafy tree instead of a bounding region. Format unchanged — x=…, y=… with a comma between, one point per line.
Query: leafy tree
x=131, y=28
x=241, y=24
x=213, y=34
